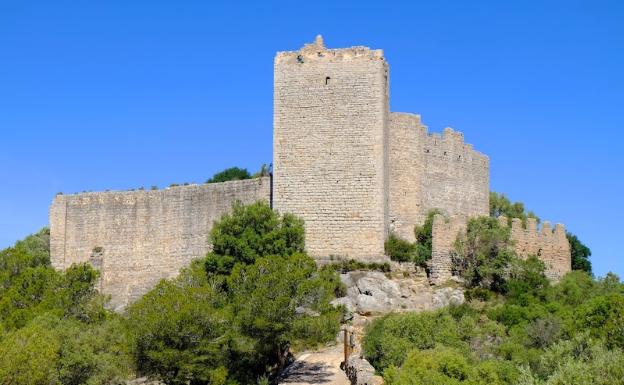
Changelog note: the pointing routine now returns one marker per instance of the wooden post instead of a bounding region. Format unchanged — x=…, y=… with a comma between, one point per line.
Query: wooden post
x=346, y=344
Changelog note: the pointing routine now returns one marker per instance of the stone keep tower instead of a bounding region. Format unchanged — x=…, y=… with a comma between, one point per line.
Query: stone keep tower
x=330, y=146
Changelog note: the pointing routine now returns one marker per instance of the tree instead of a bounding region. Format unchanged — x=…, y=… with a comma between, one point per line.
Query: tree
x=232, y=316
x=580, y=254
x=232, y=173
x=501, y=205
x=250, y=232
x=183, y=333
x=483, y=253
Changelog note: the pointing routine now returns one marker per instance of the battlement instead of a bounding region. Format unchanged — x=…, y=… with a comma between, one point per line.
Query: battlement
x=450, y=145
x=317, y=52
x=548, y=244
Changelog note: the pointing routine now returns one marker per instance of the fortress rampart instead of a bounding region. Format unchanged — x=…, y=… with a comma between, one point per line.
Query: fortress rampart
x=345, y=164
x=137, y=238
x=432, y=171
x=550, y=246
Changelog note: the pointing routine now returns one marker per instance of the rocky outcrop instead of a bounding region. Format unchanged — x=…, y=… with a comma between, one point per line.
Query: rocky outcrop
x=406, y=288
x=361, y=372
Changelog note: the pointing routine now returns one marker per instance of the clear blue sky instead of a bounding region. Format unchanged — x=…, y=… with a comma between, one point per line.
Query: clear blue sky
x=117, y=94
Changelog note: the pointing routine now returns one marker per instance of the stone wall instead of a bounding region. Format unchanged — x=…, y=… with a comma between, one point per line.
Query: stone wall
x=432, y=172
x=330, y=146
x=550, y=246
x=444, y=233
x=457, y=178
x=137, y=238
x=406, y=135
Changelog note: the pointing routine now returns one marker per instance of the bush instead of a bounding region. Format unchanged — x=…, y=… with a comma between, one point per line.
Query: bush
x=352, y=265
x=483, y=254
x=400, y=250
x=232, y=173
x=232, y=317
x=389, y=338
x=250, y=232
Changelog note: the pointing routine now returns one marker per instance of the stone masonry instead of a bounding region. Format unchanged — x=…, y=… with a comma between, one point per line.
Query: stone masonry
x=353, y=170
x=137, y=238
x=550, y=246
x=330, y=146
x=345, y=164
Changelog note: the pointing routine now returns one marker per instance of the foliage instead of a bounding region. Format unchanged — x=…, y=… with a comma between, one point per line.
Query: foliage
x=419, y=251
x=232, y=173
x=483, y=253
x=424, y=236
x=345, y=266
x=501, y=205
x=400, y=250
x=531, y=332
x=233, y=316
x=54, y=328
x=580, y=254
x=250, y=232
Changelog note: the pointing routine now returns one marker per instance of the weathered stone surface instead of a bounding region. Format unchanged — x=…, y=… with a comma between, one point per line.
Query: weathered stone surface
x=550, y=246
x=361, y=372
x=342, y=161
x=447, y=296
x=138, y=238
x=329, y=146
x=406, y=289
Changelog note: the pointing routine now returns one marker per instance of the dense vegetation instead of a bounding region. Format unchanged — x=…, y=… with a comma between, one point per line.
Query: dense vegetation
x=54, y=328
x=236, y=173
x=229, y=318
x=419, y=251
x=534, y=333
x=516, y=328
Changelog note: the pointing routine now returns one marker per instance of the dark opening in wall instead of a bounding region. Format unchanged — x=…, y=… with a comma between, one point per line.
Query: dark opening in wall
x=327, y=79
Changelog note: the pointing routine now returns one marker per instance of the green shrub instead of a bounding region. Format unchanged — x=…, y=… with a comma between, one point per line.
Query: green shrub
x=483, y=254
x=352, y=265
x=250, y=232
x=389, y=338
x=399, y=249
x=232, y=173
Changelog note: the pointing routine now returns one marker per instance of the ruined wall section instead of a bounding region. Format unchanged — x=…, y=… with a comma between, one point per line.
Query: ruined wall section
x=330, y=147
x=136, y=238
x=444, y=234
x=457, y=178
x=550, y=245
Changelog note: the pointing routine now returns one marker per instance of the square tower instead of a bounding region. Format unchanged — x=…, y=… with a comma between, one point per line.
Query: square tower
x=330, y=147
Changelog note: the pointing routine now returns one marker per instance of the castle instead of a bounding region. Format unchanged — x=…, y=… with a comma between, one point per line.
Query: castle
x=353, y=170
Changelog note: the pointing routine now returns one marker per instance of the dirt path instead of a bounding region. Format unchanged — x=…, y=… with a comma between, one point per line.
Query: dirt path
x=320, y=367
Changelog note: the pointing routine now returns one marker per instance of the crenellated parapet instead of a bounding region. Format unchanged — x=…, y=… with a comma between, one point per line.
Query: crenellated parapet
x=548, y=244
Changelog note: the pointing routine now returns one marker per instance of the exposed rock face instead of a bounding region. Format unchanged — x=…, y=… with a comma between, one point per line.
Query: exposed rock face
x=373, y=292
x=361, y=372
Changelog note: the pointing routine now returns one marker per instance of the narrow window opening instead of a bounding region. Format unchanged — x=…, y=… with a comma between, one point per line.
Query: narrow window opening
x=327, y=79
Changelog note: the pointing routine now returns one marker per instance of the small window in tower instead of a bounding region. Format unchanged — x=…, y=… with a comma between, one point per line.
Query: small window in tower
x=327, y=79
